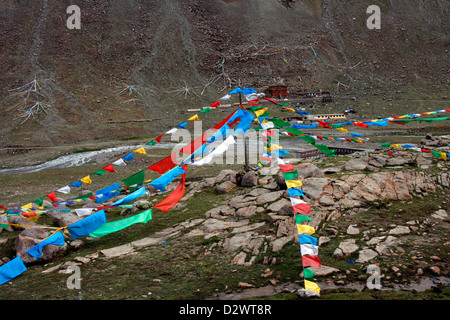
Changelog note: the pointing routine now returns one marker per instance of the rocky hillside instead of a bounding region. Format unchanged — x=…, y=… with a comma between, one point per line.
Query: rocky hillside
x=181, y=54
x=233, y=235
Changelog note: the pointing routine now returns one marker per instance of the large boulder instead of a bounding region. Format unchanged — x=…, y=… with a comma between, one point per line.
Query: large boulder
x=249, y=179
x=63, y=219
x=309, y=170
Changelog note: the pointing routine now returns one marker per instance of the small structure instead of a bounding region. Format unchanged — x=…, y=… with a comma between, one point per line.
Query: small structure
x=278, y=91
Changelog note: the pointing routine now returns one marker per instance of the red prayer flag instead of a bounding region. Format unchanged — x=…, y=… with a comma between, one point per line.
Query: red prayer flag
x=287, y=168
x=29, y=214
x=215, y=104
x=109, y=168
x=311, y=261
x=254, y=102
x=160, y=137
x=268, y=99
x=164, y=165
x=52, y=197
x=302, y=208
x=176, y=195
x=360, y=124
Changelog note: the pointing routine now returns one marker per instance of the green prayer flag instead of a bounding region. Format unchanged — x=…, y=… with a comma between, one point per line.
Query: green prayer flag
x=299, y=219
x=292, y=175
x=39, y=201
x=152, y=143
x=114, y=226
x=283, y=104
x=135, y=179
x=385, y=145
x=308, y=273
x=279, y=122
x=436, y=153
x=310, y=140
x=86, y=196
x=326, y=150
x=99, y=172
x=294, y=131
x=206, y=110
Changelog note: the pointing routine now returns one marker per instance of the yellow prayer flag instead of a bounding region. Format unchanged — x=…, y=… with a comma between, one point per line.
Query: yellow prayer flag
x=443, y=156
x=305, y=229
x=312, y=285
x=141, y=151
x=396, y=146
x=33, y=219
x=294, y=183
x=259, y=113
x=86, y=180
x=194, y=118
x=27, y=206
x=342, y=130
x=289, y=109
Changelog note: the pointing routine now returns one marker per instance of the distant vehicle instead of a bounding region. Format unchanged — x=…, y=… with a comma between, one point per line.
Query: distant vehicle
x=350, y=110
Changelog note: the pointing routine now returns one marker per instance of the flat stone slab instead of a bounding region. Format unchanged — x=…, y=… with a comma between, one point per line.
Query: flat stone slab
x=146, y=242
x=118, y=251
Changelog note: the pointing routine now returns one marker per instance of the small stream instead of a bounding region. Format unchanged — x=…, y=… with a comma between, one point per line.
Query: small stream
x=79, y=159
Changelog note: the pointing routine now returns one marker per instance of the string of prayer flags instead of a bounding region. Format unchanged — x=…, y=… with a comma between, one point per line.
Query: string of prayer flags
x=87, y=225
x=114, y=226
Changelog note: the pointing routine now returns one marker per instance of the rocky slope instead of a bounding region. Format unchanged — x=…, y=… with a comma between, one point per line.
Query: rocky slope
x=163, y=47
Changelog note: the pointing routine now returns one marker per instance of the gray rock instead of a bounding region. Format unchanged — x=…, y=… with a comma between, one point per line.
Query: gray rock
x=399, y=230
x=278, y=205
x=366, y=255
x=308, y=170
x=63, y=219
x=355, y=164
x=225, y=187
x=268, y=197
x=249, y=180
x=348, y=246
x=352, y=230
x=247, y=211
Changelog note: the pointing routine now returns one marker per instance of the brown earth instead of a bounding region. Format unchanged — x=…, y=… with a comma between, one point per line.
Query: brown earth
x=163, y=46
